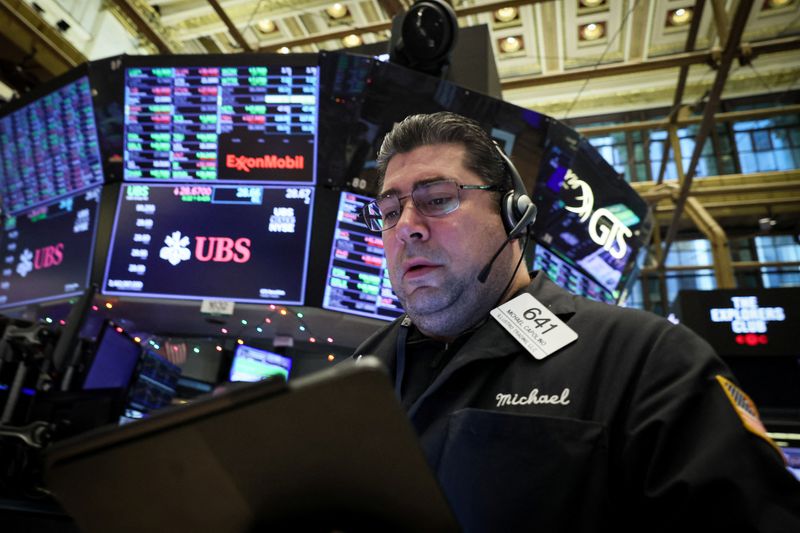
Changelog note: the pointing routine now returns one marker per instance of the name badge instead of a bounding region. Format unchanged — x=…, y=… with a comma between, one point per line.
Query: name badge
x=534, y=326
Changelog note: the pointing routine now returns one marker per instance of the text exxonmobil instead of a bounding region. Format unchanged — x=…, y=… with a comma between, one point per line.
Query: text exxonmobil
x=245, y=163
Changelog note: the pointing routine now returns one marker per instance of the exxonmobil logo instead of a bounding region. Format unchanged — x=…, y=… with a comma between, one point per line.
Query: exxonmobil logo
x=177, y=249
x=244, y=163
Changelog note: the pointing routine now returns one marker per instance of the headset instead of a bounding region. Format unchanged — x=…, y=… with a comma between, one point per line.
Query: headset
x=516, y=208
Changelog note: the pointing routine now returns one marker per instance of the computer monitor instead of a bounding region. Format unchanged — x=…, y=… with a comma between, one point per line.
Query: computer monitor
x=114, y=361
x=48, y=250
x=357, y=281
x=155, y=385
x=252, y=364
x=246, y=243
x=49, y=146
x=244, y=118
x=590, y=222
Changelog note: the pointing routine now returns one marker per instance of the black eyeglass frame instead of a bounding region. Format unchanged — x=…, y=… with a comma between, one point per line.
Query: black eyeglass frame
x=375, y=223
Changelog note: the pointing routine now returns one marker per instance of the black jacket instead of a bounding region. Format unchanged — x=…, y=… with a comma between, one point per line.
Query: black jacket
x=626, y=428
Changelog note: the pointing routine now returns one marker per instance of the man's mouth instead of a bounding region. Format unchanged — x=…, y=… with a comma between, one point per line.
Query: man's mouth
x=419, y=269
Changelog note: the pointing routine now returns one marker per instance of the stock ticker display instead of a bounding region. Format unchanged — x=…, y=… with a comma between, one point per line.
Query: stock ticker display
x=244, y=243
x=237, y=123
x=49, y=148
x=357, y=280
x=47, y=251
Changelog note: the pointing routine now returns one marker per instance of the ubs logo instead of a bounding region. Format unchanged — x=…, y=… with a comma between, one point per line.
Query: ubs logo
x=604, y=227
x=217, y=249
x=40, y=259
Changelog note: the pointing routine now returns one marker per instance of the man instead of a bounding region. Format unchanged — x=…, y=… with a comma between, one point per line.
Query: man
x=633, y=424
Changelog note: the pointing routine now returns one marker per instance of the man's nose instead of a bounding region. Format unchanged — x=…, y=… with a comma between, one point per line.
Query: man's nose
x=412, y=224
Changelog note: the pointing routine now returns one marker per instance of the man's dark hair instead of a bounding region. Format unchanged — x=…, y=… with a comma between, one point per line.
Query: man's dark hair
x=481, y=155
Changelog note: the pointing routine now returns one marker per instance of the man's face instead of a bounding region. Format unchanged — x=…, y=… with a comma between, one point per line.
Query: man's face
x=434, y=261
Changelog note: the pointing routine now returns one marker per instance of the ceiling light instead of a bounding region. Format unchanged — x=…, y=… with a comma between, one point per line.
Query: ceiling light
x=283, y=50
x=266, y=26
x=592, y=3
x=512, y=44
x=774, y=4
x=336, y=11
x=506, y=14
x=680, y=16
x=352, y=40
x=592, y=31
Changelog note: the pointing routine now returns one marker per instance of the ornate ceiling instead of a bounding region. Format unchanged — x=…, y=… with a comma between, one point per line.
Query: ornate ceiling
x=566, y=58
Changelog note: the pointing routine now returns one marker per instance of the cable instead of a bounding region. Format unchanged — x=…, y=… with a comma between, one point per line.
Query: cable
x=602, y=56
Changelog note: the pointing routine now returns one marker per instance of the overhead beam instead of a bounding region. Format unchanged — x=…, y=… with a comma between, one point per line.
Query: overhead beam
x=720, y=247
x=635, y=67
x=728, y=116
x=29, y=32
x=720, y=20
x=728, y=55
x=234, y=31
x=143, y=26
x=683, y=75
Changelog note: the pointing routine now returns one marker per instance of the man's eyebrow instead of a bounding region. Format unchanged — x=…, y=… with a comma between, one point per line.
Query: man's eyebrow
x=425, y=181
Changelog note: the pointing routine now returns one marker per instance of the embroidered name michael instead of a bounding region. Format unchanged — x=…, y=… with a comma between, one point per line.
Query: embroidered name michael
x=533, y=398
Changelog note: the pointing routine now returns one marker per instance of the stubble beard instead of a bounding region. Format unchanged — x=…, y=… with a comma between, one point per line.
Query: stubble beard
x=453, y=306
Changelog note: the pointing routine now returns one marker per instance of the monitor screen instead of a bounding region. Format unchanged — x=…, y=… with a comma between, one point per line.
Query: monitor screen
x=48, y=250
x=358, y=281
x=251, y=119
x=252, y=364
x=564, y=275
x=589, y=217
x=115, y=358
x=156, y=383
x=49, y=147
x=191, y=241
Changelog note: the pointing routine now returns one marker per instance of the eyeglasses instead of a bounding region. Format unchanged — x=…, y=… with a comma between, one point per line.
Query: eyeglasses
x=434, y=199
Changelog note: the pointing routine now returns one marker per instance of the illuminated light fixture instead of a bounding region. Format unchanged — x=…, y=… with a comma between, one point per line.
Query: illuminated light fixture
x=95, y=308
x=224, y=330
x=336, y=11
x=592, y=3
x=331, y=357
x=302, y=328
x=775, y=4
x=62, y=322
x=258, y=329
x=109, y=305
x=239, y=341
x=312, y=339
x=330, y=339
x=196, y=349
x=268, y=320
x=156, y=346
x=680, y=16
x=48, y=320
x=272, y=306
x=219, y=348
x=119, y=329
x=283, y=50
x=592, y=31
x=283, y=312
x=299, y=315
x=244, y=322
x=137, y=339
x=352, y=40
x=266, y=26
x=506, y=14
x=512, y=44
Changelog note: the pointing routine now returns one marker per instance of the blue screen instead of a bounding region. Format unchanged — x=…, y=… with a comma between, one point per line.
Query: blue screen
x=114, y=360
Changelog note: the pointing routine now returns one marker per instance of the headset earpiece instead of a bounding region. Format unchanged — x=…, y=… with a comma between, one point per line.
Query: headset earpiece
x=517, y=209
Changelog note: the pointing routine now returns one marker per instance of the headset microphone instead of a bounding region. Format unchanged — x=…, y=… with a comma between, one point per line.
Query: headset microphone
x=517, y=210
